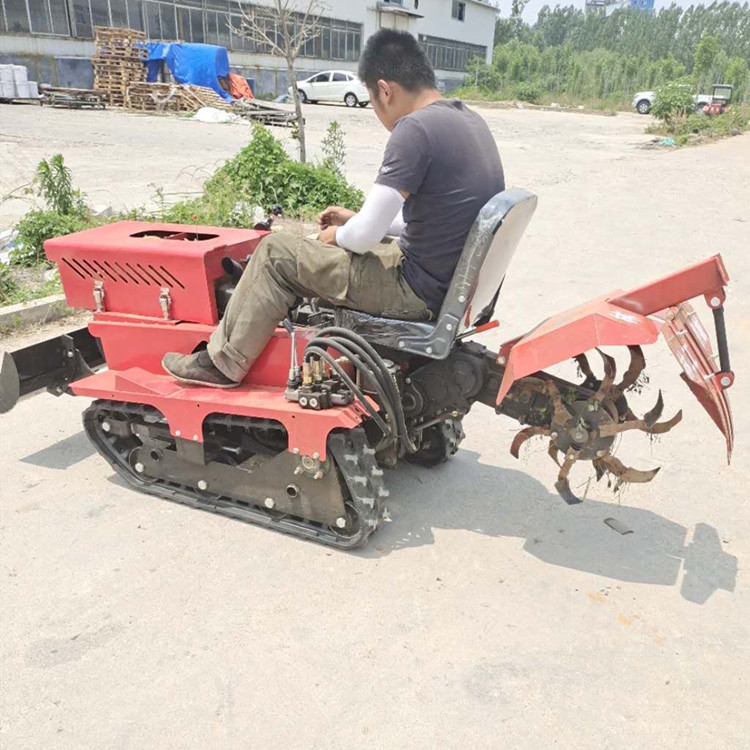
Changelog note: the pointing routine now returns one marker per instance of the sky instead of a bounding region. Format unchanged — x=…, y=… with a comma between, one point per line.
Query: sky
x=534, y=6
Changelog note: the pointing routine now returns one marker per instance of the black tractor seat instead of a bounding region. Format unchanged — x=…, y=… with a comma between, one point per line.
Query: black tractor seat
x=473, y=291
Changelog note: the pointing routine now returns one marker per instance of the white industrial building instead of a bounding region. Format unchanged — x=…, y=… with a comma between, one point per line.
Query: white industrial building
x=54, y=38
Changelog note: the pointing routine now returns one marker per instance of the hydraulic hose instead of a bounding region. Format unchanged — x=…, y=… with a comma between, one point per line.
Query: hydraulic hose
x=323, y=354
x=335, y=331
x=337, y=338
x=355, y=354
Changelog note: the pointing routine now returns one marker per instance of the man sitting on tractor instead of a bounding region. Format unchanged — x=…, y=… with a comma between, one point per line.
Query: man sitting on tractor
x=440, y=167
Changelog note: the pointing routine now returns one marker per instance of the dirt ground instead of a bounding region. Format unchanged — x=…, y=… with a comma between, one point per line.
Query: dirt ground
x=487, y=614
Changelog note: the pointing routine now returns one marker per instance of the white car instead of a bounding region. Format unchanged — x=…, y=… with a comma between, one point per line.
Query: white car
x=333, y=86
x=643, y=101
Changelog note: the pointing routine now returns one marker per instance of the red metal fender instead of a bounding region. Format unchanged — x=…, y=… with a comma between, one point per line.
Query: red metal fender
x=633, y=318
x=185, y=408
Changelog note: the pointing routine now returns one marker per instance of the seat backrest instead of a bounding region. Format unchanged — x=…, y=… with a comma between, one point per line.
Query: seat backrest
x=489, y=248
x=474, y=288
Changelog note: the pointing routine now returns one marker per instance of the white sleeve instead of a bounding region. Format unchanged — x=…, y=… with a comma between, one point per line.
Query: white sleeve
x=397, y=225
x=374, y=220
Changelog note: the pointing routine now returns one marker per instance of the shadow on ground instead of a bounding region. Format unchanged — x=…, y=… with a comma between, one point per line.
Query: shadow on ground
x=483, y=499
x=466, y=494
x=63, y=454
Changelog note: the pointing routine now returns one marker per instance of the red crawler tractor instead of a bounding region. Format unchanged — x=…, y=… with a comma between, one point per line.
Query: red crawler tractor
x=339, y=395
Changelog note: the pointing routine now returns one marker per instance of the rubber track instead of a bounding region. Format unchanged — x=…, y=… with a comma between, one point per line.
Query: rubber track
x=353, y=456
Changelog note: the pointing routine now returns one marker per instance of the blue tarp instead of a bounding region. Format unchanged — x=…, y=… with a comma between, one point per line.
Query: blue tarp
x=195, y=64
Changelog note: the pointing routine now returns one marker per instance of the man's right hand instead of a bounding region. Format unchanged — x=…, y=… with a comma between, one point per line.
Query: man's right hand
x=334, y=216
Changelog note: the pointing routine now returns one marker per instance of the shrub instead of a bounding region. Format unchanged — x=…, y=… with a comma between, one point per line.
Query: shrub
x=262, y=174
x=334, y=148
x=54, y=183
x=528, y=92
x=36, y=227
x=8, y=285
x=671, y=101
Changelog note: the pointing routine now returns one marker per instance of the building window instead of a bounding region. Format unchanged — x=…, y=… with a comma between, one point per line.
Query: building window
x=458, y=11
x=211, y=21
x=446, y=54
x=16, y=16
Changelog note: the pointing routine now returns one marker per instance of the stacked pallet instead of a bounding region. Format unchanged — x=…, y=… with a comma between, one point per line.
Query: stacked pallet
x=172, y=97
x=118, y=62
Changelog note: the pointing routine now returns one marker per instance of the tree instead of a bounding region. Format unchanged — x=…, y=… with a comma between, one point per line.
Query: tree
x=283, y=28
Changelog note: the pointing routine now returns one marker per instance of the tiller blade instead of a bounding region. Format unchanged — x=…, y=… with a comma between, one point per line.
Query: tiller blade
x=585, y=421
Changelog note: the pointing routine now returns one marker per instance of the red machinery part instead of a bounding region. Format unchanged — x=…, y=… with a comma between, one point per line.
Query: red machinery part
x=633, y=318
x=129, y=264
x=134, y=349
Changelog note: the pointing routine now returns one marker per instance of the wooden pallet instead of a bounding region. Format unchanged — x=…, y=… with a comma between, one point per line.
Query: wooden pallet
x=118, y=61
x=173, y=97
x=115, y=32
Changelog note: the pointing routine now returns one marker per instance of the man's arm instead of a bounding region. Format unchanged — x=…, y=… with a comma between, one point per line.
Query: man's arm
x=365, y=229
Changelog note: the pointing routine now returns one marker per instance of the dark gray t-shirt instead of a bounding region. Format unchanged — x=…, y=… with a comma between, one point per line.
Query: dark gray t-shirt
x=445, y=157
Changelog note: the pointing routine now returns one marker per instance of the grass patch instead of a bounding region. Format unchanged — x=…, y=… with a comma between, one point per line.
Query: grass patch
x=694, y=129
x=25, y=284
x=530, y=96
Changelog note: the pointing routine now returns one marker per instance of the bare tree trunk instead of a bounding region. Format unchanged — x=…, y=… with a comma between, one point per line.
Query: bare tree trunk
x=297, y=110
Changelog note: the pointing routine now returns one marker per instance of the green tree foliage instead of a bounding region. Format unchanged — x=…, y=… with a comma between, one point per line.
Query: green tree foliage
x=595, y=57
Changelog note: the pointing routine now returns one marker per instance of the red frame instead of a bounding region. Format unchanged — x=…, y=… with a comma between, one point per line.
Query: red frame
x=135, y=335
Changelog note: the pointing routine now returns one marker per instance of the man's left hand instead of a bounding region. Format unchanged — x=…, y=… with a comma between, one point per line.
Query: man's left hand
x=328, y=236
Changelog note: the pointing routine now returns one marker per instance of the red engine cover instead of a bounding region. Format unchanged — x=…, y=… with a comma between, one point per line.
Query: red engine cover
x=136, y=260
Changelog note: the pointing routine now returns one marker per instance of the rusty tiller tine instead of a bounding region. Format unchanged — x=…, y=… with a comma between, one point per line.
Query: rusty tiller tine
x=659, y=428
x=635, y=368
x=583, y=363
x=626, y=474
x=563, y=485
x=650, y=417
x=610, y=372
x=552, y=452
x=599, y=468
x=655, y=428
x=562, y=416
x=522, y=436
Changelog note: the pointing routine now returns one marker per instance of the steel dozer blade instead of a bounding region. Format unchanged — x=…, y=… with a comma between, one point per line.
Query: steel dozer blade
x=52, y=365
x=10, y=384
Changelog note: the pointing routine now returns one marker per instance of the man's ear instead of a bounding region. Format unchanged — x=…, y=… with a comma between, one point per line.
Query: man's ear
x=384, y=89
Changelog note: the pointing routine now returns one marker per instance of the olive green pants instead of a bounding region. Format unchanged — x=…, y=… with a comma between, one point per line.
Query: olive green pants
x=283, y=268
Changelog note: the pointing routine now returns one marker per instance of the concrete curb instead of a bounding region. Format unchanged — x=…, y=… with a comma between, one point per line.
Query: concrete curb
x=540, y=107
x=37, y=311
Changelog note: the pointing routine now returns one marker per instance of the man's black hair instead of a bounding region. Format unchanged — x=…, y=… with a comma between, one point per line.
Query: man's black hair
x=395, y=56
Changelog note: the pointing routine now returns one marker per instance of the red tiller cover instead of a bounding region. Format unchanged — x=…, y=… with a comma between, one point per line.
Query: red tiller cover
x=635, y=318
x=136, y=260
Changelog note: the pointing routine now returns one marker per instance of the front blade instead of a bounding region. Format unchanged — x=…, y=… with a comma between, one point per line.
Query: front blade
x=691, y=346
x=10, y=385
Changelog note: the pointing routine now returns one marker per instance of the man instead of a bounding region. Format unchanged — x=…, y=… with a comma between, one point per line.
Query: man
x=440, y=167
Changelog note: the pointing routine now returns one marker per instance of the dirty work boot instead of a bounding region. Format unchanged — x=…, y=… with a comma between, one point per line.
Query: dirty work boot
x=196, y=369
